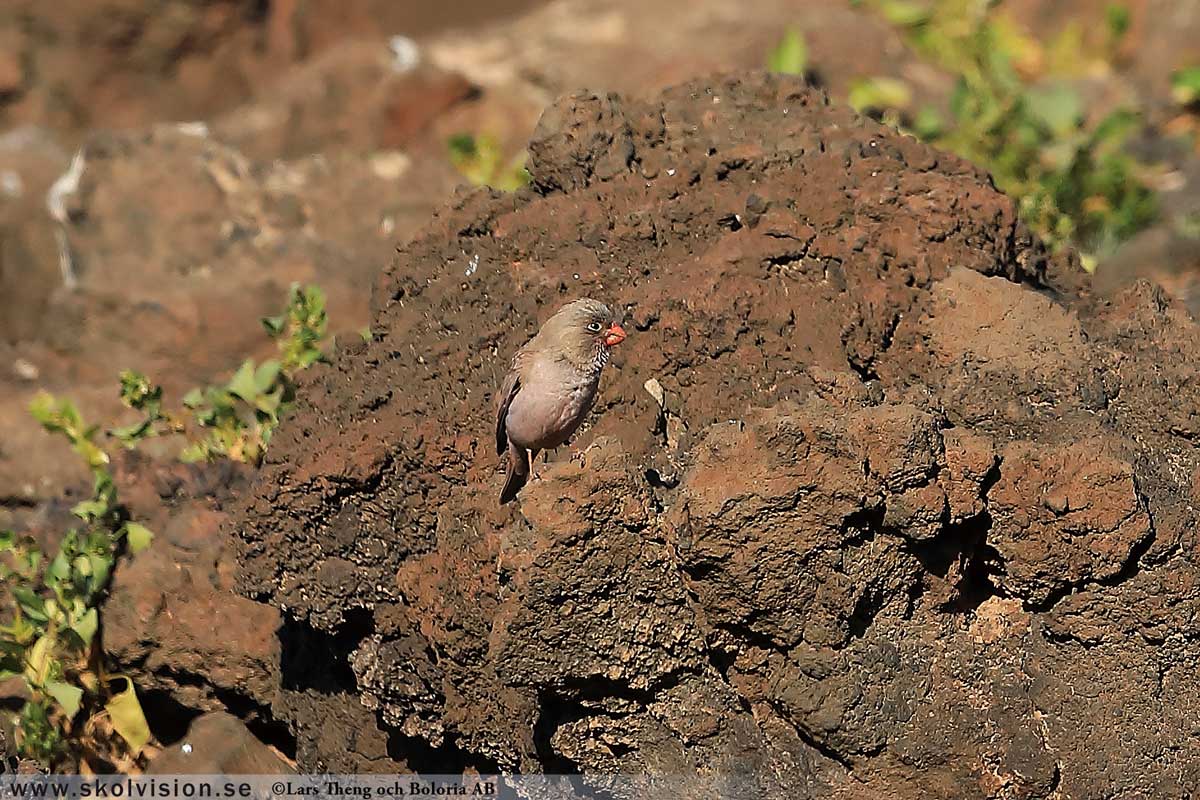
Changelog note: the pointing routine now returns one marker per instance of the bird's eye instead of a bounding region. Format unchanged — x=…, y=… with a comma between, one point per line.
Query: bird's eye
x=594, y=327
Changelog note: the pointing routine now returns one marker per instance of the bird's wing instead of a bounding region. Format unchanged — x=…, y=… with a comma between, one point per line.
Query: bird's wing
x=504, y=397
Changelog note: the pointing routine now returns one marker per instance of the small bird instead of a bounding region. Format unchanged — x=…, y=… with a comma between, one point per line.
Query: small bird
x=551, y=386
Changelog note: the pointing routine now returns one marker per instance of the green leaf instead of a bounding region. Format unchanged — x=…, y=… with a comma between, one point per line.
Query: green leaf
x=101, y=566
x=904, y=13
x=960, y=99
x=879, y=93
x=33, y=606
x=41, y=739
x=193, y=398
x=127, y=717
x=1117, y=18
x=268, y=403
x=266, y=375
x=790, y=56
x=1185, y=86
x=242, y=384
x=103, y=488
x=1115, y=128
x=130, y=434
x=479, y=160
x=62, y=417
x=82, y=564
x=38, y=660
x=89, y=510
x=8, y=541
x=93, y=455
x=1059, y=155
x=312, y=356
x=928, y=123
x=138, y=392
x=67, y=696
x=138, y=536
x=274, y=325
x=85, y=627
x=59, y=567
x=42, y=407
x=462, y=147
x=1057, y=106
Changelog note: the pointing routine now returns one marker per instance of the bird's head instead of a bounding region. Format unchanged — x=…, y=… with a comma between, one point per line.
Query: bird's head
x=587, y=329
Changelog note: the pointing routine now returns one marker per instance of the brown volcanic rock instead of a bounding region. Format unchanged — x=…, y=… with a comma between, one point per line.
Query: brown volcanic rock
x=634, y=239
x=80, y=64
x=178, y=243
x=219, y=744
x=171, y=615
x=904, y=511
x=173, y=622
x=352, y=98
x=1062, y=516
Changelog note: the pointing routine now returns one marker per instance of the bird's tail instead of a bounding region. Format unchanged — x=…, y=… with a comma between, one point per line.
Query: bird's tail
x=518, y=473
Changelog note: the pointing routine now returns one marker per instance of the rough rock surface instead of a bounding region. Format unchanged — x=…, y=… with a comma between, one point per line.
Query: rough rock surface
x=166, y=603
x=199, y=650
x=905, y=511
x=218, y=743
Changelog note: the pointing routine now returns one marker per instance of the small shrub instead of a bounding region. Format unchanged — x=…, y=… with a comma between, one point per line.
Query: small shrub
x=1071, y=176
x=51, y=604
x=1185, y=87
x=235, y=419
x=480, y=160
x=49, y=642
x=790, y=56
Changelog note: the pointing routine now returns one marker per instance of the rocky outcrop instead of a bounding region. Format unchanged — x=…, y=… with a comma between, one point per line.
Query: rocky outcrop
x=877, y=499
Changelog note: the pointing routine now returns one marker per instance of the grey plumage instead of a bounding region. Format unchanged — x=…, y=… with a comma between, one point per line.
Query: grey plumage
x=551, y=386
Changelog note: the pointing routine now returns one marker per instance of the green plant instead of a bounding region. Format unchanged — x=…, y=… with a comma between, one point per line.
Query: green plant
x=1117, y=20
x=1185, y=86
x=1073, y=180
x=62, y=417
x=878, y=93
x=137, y=392
x=50, y=607
x=1188, y=225
x=236, y=419
x=300, y=330
x=790, y=56
x=480, y=160
x=49, y=639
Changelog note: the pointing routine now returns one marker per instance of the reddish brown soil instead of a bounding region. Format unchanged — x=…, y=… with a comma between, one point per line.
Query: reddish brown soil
x=914, y=520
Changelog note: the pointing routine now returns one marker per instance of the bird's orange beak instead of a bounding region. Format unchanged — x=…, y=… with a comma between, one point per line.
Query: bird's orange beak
x=614, y=335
